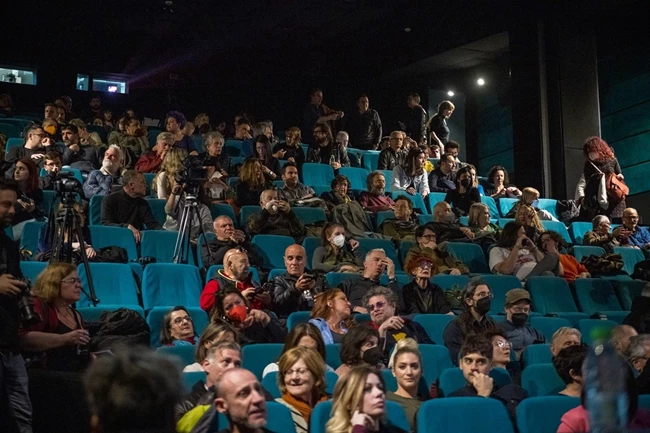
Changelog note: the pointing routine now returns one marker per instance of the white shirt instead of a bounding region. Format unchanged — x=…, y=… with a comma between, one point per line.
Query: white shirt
x=526, y=261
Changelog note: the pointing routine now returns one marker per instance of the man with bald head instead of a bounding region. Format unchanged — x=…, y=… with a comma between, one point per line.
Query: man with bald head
x=276, y=218
x=235, y=274
x=240, y=396
x=227, y=237
x=620, y=337
x=638, y=237
x=295, y=289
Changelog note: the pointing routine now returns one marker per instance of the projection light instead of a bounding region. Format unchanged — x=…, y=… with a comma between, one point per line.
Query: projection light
x=480, y=81
x=450, y=93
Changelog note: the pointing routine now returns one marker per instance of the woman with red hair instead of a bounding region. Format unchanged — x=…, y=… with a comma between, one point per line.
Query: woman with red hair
x=599, y=159
x=30, y=204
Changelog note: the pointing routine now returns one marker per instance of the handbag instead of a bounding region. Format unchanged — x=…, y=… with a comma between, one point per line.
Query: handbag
x=614, y=190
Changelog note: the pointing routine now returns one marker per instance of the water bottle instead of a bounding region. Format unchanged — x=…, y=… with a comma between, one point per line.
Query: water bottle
x=606, y=397
x=332, y=159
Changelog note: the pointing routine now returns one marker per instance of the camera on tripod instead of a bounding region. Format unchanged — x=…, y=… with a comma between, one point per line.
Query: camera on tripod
x=66, y=186
x=194, y=172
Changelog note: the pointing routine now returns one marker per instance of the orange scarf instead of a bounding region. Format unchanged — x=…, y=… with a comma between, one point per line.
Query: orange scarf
x=301, y=406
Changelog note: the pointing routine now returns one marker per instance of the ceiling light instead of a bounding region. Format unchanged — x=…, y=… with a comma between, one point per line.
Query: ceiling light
x=450, y=93
x=480, y=81
x=407, y=29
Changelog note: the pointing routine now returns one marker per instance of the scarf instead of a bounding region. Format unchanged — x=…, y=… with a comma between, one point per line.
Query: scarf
x=301, y=406
x=186, y=342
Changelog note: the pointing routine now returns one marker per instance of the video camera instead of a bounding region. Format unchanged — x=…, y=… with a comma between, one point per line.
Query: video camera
x=194, y=172
x=66, y=186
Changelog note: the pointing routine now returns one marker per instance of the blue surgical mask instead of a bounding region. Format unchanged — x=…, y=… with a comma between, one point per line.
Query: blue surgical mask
x=535, y=203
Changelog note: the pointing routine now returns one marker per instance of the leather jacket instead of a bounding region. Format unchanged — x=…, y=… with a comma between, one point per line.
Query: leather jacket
x=286, y=299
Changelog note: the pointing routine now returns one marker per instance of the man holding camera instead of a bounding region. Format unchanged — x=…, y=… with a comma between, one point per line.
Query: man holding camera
x=295, y=290
x=17, y=415
x=227, y=237
x=276, y=218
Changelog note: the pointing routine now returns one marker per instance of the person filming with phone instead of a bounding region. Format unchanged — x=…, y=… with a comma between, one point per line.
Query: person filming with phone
x=516, y=254
x=296, y=289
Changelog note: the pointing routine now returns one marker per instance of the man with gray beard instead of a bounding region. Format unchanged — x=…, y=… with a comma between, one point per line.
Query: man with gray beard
x=108, y=178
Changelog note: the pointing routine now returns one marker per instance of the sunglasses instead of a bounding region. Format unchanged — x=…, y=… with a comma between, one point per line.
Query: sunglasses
x=378, y=305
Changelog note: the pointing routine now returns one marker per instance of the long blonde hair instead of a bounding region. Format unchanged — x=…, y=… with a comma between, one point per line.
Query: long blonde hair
x=348, y=397
x=535, y=222
x=171, y=165
x=475, y=211
x=248, y=176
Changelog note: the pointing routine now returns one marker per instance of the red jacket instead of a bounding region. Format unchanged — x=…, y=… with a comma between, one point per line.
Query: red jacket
x=149, y=162
x=208, y=296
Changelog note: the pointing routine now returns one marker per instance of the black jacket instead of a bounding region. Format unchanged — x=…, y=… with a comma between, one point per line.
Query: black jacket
x=321, y=155
x=509, y=395
x=411, y=329
x=639, y=317
x=292, y=152
x=364, y=129
x=416, y=123
x=286, y=299
x=355, y=289
x=199, y=395
x=120, y=327
x=9, y=313
x=389, y=159
x=430, y=300
x=219, y=248
x=454, y=334
x=86, y=160
x=256, y=333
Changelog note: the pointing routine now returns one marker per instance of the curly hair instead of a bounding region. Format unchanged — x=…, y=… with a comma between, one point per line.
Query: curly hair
x=48, y=283
x=555, y=236
x=599, y=146
x=493, y=171
x=180, y=118
x=413, y=261
x=248, y=176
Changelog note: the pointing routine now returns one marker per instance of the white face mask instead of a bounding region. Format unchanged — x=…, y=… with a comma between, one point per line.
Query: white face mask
x=450, y=217
x=593, y=156
x=338, y=240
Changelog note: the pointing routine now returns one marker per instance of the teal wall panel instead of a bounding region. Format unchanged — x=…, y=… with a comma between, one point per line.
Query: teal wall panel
x=494, y=133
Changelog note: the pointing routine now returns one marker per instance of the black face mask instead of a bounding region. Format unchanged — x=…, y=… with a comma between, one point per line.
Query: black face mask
x=465, y=182
x=519, y=319
x=373, y=356
x=483, y=305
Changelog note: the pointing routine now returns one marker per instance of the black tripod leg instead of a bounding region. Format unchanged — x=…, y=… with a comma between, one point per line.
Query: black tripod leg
x=84, y=258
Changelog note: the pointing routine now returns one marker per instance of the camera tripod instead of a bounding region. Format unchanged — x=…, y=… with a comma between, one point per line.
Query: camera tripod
x=67, y=226
x=189, y=213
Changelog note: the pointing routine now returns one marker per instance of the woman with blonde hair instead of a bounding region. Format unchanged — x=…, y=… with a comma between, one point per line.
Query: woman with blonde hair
x=58, y=340
x=359, y=403
x=527, y=217
x=214, y=333
x=251, y=183
x=331, y=315
x=479, y=221
x=406, y=365
x=530, y=197
x=301, y=380
x=165, y=181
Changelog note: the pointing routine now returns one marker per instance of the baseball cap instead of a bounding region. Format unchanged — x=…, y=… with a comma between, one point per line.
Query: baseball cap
x=516, y=295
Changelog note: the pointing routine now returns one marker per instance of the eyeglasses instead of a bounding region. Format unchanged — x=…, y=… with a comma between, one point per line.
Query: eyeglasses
x=378, y=305
x=299, y=371
x=521, y=310
x=425, y=265
x=180, y=320
x=502, y=344
x=484, y=295
x=72, y=281
x=428, y=237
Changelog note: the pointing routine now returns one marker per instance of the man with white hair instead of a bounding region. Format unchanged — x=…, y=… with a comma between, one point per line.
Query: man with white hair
x=149, y=162
x=108, y=178
x=564, y=337
x=601, y=236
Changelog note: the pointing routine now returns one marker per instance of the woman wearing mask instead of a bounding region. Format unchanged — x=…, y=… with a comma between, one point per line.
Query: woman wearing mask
x=252, y=325
x=599, y=159
x=501, y=186
x=177, y=328
x=360, y=345
x=359, y=404
x=214, y=333
x=174, y=123
x=335, y=254
x=302, y=335
x=58, y=341
x=421, y=296
x=331, y=315
x=406, y=366
x=339, y=193
x=290, y=149
x=465, y=193
x=31, y=203
x=301, y=380
x=516, y=254
x=270, y=164
x=251, y=183
x=165, y=181
x=411, y=176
